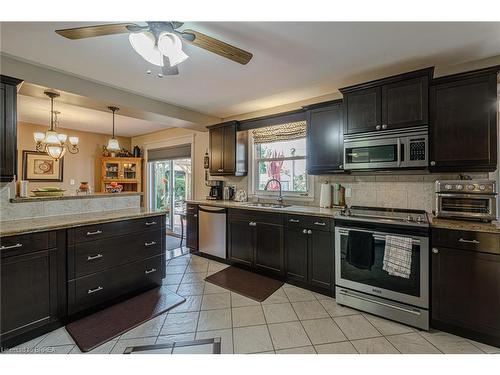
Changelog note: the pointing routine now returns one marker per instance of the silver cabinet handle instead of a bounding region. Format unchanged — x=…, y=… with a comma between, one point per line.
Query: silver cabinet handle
x=195, y=215
x=304, y=231
x=220, y=170
x=93, y=257
x=309, y=231
x=149, y=243
x=150, y=222
x=12, y=246
x=435, y=251
x=98, y=289
x=377, y=127
x=294, y=221
x=252, y=224
x=433, y=163
x=150, y=271
x=319, y=223
x=469, y=241
x=341, y=166
x=384, y=126
x=94, y=233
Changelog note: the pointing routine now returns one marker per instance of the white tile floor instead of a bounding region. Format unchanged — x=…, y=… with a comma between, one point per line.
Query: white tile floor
x=292, y=320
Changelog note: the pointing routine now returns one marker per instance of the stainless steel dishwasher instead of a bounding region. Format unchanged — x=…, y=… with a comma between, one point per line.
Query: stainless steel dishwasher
x=212, y=231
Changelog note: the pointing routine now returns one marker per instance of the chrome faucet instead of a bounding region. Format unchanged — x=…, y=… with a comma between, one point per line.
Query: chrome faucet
x=280, y=197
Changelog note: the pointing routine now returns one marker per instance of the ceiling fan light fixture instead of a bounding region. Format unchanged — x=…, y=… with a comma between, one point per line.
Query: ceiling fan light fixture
x=170, y=45
x=144, y=44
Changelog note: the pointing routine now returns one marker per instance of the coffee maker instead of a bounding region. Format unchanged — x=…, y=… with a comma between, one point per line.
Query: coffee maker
x=215, y=189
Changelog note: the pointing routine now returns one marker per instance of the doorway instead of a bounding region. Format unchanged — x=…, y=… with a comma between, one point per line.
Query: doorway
x=169, y=187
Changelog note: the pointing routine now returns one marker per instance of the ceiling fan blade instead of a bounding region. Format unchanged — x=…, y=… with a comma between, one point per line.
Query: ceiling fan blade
x=98, y=30
x=216, y=46
x=168, y=70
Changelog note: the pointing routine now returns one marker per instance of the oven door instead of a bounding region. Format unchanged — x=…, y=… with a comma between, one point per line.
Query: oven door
x=476, y=206
x=413, y=291
x=373, y=153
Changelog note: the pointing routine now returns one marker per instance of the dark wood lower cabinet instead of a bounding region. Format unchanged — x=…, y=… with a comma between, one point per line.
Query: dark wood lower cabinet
x=321, y=257
x=296, y=254
x=269, y=256
x=192, y=231
x=241, y=242
x=466, y=286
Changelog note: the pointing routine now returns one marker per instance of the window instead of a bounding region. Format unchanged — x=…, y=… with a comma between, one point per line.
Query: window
x=279, y=152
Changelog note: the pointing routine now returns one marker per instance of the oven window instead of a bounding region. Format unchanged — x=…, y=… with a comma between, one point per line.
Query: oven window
x=379, y=278
x=372, y=154
x=471, y=205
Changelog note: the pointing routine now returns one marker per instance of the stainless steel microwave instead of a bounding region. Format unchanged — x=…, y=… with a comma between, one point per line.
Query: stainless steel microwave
x=390, y=149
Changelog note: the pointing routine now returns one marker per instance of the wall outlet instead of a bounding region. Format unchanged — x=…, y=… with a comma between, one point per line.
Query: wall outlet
x=348, y=192
x=72, y=181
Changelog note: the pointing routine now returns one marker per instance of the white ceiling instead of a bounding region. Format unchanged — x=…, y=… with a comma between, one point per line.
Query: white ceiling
x=292, y=61
x=37, y=111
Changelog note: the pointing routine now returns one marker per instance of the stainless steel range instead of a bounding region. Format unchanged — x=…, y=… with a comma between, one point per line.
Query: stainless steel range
x=403, y=298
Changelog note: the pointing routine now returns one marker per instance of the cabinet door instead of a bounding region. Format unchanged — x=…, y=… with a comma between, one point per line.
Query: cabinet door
x=8, y=149
x=466, y=290
x=463, y=133
x=296, y=254
x=363, y=110
x=229, y=157
x=325, y=139
x=130, y=170
x=405, y=103
x=321, y=259
x=192, y=230
x=28, y=292
x=241, y=242
x=216, y=138
x=269, y=256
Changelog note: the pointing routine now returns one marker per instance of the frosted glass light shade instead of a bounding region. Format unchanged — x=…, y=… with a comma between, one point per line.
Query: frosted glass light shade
x=55, y=152
x=38, y=136
x=144, y=44
x=113, y=145
x=52, y=138
x=171, y=46
x=73, y=140
x=62, y=137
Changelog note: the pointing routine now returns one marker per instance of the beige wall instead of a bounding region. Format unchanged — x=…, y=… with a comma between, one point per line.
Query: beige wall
x=84, y=166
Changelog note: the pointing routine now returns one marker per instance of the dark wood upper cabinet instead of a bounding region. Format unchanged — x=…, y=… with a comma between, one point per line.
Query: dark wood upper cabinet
x=463, y=123
x=8, y=127
x=228, y=150
x=325, y=138
x=394, y=102
x=466, y=286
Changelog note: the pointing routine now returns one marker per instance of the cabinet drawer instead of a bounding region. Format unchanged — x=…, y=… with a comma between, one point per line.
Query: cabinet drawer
x=95, y=256
x=466, y=240
x=16, y=245
x=101, y=287
x=256, y=216
x=98, y=231
x=308, y=222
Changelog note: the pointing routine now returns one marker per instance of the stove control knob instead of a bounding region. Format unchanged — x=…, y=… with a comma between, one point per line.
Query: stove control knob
x=470, y=187
x=459, y=187
x=448, y=187
x=420, y=218
x=482, y=187
x=409, y=218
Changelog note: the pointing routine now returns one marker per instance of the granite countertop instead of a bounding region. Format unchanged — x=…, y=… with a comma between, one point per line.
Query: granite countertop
x=293, y=209
x=475, y=226
x=66, y=197
x=24, y=226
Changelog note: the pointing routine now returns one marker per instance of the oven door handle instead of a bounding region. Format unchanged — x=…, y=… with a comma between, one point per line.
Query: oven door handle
x=378, y=236
x=345, y=293
x=398, y=150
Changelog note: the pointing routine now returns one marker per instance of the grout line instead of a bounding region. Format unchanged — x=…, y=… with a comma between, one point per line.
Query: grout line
x=418, y=333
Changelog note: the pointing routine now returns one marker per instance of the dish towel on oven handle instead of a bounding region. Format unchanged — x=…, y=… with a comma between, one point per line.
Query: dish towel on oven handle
x=397, y=256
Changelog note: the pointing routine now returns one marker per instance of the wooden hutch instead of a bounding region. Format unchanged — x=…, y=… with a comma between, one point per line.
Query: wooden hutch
x=123, y=170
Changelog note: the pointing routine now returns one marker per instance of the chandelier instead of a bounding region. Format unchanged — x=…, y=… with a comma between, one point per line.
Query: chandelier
x=113, y=142
x=53, y=143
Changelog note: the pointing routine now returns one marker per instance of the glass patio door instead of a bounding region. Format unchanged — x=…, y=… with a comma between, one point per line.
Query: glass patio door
x=169, y=187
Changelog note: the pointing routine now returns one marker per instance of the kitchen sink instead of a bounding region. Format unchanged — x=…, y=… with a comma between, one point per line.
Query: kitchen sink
x=267, y=205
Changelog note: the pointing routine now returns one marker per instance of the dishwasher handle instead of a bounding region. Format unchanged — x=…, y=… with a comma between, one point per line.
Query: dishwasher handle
x=212, y=210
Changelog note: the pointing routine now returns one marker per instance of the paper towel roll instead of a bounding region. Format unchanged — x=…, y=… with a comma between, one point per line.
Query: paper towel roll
x=325, y=198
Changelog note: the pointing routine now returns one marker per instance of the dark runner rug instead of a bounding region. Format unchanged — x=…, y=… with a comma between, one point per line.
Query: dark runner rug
x=248, y=284
x=104, y=325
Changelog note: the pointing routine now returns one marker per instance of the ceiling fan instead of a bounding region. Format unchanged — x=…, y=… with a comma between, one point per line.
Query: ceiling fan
x=160, y=43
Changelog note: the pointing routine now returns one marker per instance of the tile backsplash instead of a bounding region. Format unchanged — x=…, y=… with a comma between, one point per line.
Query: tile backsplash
x=414, y=191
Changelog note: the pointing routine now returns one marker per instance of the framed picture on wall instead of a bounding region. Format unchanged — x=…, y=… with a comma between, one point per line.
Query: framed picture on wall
x=39, y=166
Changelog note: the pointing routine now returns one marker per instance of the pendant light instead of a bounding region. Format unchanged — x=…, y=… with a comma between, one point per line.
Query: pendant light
x=113, y=142
x=52, y=142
